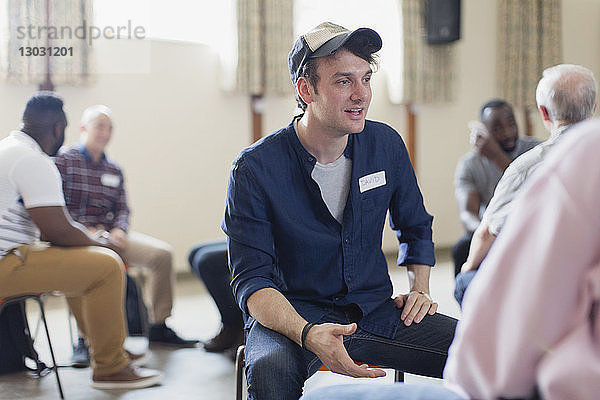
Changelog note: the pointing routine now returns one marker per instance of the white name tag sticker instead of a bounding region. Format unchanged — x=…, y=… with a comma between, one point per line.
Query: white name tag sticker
x=371, y=181
x=110, y=180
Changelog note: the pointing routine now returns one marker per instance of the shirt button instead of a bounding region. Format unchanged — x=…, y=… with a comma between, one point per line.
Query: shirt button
x=310, y=159
x=347, y=241
x=110, y=216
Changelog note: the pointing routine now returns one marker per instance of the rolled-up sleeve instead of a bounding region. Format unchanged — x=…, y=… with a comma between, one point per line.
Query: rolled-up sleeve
x=250, y=238
x=408, y=217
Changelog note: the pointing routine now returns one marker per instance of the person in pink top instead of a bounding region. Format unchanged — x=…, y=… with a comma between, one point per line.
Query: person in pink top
x=530, y=326
x=530, y=318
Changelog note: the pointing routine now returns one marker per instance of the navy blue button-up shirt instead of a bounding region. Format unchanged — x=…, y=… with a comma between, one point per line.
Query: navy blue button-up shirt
x=281, y=234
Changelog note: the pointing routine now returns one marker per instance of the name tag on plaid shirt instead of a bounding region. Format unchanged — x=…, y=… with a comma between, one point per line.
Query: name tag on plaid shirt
x=110, y=180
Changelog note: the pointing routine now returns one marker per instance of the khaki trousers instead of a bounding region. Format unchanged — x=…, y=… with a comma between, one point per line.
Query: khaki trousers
x=91, y=278
x=155, y=258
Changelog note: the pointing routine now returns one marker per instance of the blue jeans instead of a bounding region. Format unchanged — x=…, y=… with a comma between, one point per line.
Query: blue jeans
x=462, y=283
x=276, y=367
x=398, y=391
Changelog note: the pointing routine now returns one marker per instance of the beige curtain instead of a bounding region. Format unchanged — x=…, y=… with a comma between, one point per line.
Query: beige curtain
x=29, y=25
x=265, y=37
x=429, y=71
x=529, y=35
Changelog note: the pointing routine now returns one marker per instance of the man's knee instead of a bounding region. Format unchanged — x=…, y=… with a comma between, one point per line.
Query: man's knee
x=163, y=256
x=103, y=264
x=210, y=262
x=105, y=257
x=166, y=255
x=275, y=362
x=112, y=260
x=275, y=374
x=192, y=255
x=274, y=359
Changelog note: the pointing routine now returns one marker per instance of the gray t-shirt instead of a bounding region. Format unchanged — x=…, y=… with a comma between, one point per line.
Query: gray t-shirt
x=476, y=173
x=334, y=181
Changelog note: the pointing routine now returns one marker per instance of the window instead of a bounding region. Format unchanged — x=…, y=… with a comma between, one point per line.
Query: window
x=201, y=21
x=211, y=22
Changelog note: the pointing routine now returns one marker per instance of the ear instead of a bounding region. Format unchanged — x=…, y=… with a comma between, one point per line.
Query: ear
x=545, y=114
x=58, y=129
x=305, y=89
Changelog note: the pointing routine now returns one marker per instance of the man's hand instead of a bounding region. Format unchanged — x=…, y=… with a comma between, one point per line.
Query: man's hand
x=327, y=342
x=416, y=305
x=272, y=310
x=486, y=145
x=105, y=239
x=467, y=266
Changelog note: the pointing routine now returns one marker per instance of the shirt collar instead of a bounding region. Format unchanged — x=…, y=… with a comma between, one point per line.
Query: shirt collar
x=27, y=140
x=512, y=154
x=558, y=131
x=304, y=155
x=517, y=150
x=81, y=148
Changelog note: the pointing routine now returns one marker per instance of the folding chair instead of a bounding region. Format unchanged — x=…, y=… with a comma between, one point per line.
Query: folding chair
x=37, y=298
x=240, y=364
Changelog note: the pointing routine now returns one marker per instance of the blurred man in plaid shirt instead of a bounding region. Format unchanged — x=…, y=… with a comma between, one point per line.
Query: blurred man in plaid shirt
x=95, y=196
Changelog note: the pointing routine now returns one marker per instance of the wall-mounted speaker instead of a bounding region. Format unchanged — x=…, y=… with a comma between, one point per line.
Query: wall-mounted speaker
x=442, y=21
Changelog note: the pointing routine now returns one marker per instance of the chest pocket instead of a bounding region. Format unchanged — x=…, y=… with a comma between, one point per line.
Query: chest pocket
x=374, y=205
x=104, y=202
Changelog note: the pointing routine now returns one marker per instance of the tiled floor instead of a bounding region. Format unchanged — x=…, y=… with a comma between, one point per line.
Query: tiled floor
x=189, y=373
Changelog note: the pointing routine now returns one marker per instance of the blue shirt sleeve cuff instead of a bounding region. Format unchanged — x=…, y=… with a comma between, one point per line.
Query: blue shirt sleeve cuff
x=242, y=294
x=419, y=252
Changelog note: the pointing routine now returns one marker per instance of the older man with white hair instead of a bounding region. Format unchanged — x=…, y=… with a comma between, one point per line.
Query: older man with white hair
x=565, y=95
x=95, y=196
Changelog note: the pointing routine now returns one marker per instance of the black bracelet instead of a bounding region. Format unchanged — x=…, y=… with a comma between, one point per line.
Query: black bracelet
x=305, y=330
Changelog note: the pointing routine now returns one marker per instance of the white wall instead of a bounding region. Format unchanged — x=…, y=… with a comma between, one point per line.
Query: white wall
x=176, y=133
